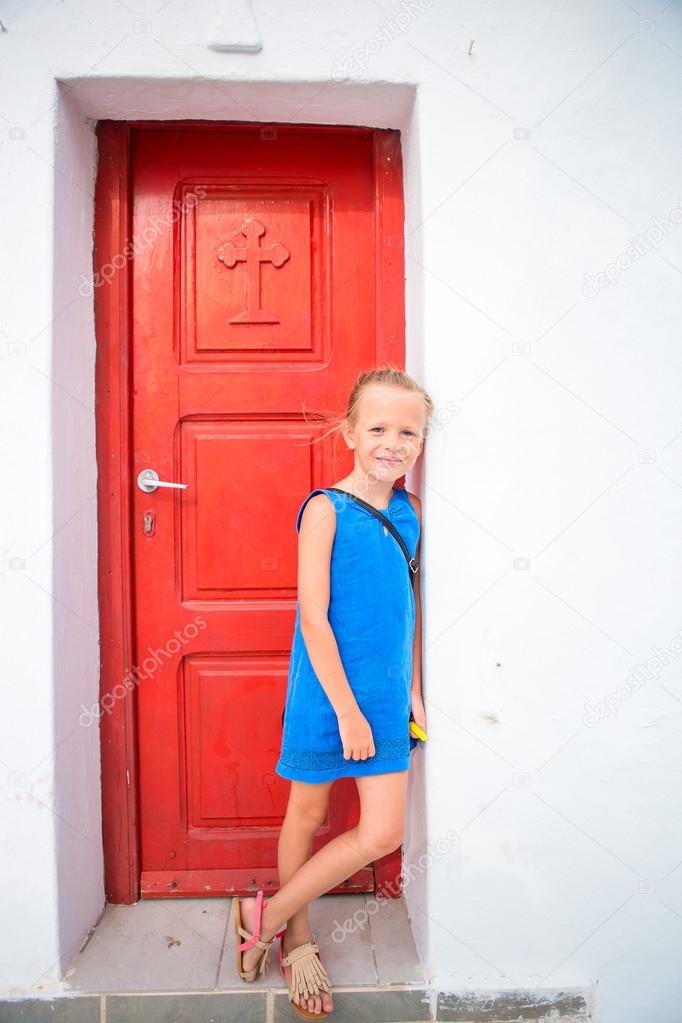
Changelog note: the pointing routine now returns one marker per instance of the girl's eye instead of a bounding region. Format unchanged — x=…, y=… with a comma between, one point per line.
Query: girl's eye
x=410, y=433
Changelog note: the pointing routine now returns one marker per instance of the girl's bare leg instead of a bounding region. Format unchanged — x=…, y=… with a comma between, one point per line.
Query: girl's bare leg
x=378, y=832
x=306, y=812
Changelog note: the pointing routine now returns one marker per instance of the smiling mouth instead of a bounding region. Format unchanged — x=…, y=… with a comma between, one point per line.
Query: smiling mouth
x=384, y=458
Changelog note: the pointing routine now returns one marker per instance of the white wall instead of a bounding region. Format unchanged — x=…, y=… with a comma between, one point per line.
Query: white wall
x=553, y=487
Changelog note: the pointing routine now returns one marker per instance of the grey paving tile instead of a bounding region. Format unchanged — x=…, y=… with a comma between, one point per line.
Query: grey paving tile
x=394, y=948
x=154, y=945
x=56, y=1010
x=199, y=1008
x=366, y=1007
x=341, y=928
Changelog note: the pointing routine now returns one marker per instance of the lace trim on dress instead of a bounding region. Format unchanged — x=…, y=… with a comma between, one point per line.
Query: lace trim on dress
x=386, y=749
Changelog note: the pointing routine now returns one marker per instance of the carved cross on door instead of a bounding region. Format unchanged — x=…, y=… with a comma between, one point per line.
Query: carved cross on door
x=253, y=254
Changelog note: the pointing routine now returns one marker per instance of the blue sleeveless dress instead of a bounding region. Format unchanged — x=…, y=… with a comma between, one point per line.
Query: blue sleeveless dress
x=372, y=614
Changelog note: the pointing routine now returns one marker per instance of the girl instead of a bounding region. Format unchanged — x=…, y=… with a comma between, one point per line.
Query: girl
x=354, y=679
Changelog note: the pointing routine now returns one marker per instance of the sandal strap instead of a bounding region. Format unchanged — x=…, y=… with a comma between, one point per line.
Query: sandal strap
x=252, y=942
x=308, y=975
x=262, y=962
x=259, y=969
x=308, y=948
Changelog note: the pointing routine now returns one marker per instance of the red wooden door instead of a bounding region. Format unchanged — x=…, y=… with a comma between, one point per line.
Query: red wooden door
x=263, y=278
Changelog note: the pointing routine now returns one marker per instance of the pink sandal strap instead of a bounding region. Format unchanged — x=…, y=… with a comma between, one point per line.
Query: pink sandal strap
x=254, y=939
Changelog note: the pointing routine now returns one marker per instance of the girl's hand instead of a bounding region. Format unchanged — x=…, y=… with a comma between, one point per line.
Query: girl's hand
x=418, y=712
x=356, y=735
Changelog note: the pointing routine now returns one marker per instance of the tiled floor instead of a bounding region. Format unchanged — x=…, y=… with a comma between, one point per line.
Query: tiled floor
x=188, y=945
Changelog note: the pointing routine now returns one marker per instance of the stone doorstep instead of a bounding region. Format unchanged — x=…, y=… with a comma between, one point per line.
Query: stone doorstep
x=366, y=1005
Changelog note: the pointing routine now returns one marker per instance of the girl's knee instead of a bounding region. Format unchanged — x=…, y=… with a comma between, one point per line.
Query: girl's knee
x=380, y=842
x=382, y=817
x=307, y=813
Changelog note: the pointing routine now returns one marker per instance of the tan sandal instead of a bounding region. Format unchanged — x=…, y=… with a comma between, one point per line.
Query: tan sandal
x=308, y=976
x=252, y=940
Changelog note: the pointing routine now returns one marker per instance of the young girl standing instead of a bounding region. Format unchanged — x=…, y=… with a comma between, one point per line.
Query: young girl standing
x=354, y=680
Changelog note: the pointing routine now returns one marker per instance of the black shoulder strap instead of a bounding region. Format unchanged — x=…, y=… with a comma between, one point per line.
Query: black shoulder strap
x=412, y=563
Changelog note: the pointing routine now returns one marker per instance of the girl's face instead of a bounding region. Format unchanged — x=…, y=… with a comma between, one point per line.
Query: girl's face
x=388, y=434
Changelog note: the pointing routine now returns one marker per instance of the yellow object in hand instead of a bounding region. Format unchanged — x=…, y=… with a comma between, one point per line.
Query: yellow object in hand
x=416, y=731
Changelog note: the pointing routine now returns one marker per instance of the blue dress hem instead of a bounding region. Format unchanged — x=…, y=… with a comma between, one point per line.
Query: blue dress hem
x=366, y=768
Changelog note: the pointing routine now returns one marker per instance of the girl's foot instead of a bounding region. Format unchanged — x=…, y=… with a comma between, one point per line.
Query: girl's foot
x=252, y=956
x=319, y=1002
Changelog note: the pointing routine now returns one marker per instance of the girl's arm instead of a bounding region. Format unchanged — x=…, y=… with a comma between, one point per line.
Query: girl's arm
x=315, y=540
x=417, y=648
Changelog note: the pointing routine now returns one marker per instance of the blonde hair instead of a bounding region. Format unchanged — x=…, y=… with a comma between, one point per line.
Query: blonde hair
x=390, y=376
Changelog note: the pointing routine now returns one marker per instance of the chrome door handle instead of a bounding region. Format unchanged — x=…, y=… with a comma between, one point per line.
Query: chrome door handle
x=148, y=481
